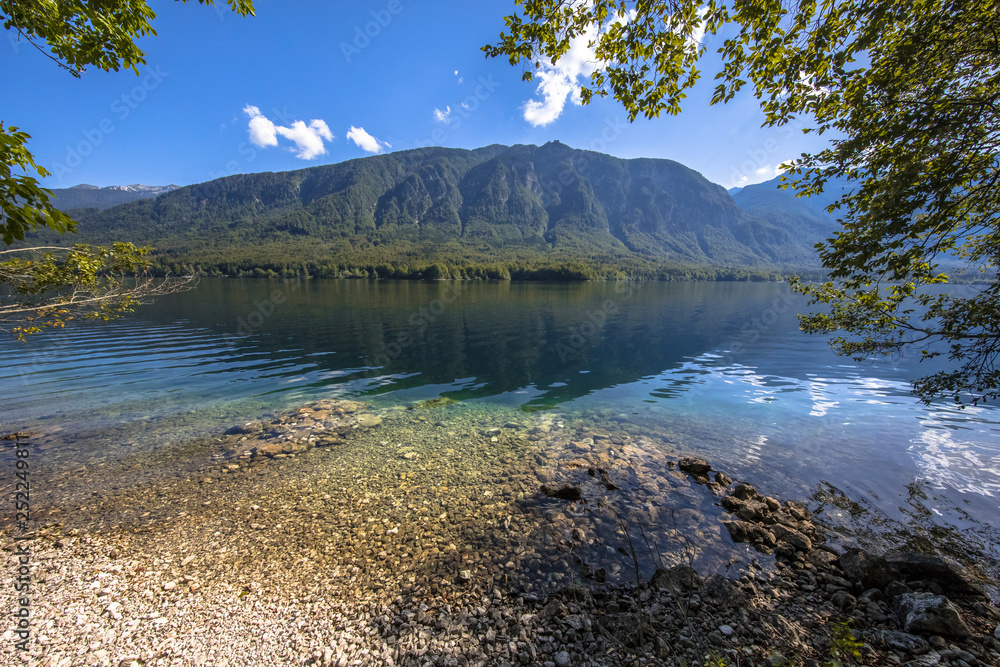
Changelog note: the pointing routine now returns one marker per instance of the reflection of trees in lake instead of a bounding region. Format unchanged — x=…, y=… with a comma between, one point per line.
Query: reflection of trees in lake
x=504, y=336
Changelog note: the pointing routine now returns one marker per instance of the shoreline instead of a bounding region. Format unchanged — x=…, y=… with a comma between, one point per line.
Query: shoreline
x=363, y=546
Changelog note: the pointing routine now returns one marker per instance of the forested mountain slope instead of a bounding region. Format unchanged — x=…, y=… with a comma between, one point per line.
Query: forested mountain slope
x=504, y=205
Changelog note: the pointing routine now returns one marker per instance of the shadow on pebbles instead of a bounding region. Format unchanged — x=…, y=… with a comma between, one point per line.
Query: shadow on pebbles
x=464, y=535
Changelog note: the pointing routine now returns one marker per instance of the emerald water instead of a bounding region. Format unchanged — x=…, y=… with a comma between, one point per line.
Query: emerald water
x=718, y=370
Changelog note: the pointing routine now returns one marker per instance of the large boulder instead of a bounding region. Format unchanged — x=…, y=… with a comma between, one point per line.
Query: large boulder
x=866, y=569
x=755, y=511
x=874, y=571
x=923, y=567
x=929, y=614
x=745, y=492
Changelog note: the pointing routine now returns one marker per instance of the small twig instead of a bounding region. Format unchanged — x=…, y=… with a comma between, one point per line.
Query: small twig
x=654, y=555
x=685, y=606
x=635, y=564
x=42, y=247
x=75, y=72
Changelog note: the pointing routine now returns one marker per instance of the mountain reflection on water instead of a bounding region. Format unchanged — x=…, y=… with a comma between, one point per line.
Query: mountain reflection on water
x=721, y=367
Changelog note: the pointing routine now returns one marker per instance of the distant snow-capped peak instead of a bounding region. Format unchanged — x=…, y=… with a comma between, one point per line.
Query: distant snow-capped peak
x=139, y=187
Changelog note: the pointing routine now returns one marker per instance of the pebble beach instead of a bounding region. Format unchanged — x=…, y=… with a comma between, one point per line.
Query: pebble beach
x=336, y=534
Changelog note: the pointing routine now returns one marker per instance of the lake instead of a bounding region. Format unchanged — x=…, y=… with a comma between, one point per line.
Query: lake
x=716, y=370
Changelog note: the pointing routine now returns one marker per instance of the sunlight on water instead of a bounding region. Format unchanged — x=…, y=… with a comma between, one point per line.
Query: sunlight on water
x=690, y=365
x=948, y=462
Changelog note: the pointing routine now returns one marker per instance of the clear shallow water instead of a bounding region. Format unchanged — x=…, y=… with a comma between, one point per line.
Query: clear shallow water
x=716, y=369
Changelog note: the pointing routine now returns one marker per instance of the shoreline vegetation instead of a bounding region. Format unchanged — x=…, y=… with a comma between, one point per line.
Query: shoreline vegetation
x=502, y=271
x=337, y=534
x=571, y=272
x=568, y=270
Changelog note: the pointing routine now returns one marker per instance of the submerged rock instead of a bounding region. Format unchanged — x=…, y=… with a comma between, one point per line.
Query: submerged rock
x=269, y=449
x=369, y=421
x=246, y=428
x=564, y=492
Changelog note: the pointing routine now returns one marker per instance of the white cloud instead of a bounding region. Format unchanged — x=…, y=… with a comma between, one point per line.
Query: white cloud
x=767, y=172
x=308, y=139
x=443, y=116
x=749, y=175
x=694, y=42
x=366, y=141
x=561, y=80
x=262, y=131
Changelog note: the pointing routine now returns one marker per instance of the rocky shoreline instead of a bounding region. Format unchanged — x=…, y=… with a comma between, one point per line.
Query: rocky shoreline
x=330, y=535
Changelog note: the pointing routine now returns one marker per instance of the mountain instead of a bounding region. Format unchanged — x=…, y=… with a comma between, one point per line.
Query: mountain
x=781, y=206
x=92, y=196
x=770, y=195
x=499, y=204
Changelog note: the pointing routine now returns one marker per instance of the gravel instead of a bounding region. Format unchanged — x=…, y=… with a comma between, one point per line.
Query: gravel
x=331, y=535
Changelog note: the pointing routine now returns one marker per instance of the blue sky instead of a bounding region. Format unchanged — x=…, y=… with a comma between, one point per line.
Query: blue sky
x=308, y=83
